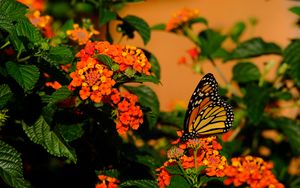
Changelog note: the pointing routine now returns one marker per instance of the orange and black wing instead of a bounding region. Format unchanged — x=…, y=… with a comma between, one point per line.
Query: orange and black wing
x=207, y=112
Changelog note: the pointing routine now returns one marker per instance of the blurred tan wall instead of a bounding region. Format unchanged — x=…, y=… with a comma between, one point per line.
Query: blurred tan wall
x=275, y=23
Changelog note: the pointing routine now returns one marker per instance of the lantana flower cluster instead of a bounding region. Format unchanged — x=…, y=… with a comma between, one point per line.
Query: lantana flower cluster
x=94, y=78
x=193, y=54
x=42, y=22
x=107, y=182
x=129, y=114
x=82, y=35
x=181, y=17
x=252, y=171
x=204, y=153
x=195, y=153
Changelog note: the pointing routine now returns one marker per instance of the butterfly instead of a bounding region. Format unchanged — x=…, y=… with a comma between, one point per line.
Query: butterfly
x=207, y=112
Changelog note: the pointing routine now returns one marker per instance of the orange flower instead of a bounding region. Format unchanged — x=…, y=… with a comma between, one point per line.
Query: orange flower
x=129, y=115
x=164, y=178
x=66, y=67
x=181, y=17
x=194, y=53
x=93, y=78
x=175, y=152
x=55, y=85
x=107, y=182
x=182, y=60
x=124, y=56
x=253, y=171
x=135, y=58
x=34, y=4
x=39, y=21
x=81, y=35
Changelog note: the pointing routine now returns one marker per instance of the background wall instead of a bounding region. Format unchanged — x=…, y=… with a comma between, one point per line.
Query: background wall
x=275, y=24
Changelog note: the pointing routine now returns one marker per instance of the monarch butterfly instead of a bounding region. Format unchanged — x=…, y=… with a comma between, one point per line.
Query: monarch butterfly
x=207, y=112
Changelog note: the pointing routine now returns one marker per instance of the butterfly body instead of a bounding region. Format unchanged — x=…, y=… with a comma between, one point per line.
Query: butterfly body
x=207, y=112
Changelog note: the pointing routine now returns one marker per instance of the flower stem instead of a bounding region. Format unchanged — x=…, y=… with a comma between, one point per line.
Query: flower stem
x=223, y=77
x=184, y=173
x=188, y=32
x=4, y=45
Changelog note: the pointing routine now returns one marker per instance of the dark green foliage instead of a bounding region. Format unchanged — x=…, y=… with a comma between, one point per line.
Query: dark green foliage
x=148, y=99
x=292, y=58
x=245, y=72
x=253, y=48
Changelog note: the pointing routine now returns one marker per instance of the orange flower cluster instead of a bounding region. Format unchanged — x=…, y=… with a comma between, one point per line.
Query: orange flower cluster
x=124, y=56
x=34, y=16
x=208, y=155
x=34, y=4
x=93, y=78
x=81, y=35
x=193, y=53
x=181, y=17
x=55, y=85
x=39, y=21
x=164, y=177
x=107, y=182
x=129, y=115
x=135, y=58
x=253, y=171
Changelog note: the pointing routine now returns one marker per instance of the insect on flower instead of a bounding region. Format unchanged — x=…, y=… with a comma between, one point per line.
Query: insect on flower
x=207, y=112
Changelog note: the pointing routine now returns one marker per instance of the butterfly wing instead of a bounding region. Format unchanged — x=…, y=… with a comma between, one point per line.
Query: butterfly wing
x=207, y=113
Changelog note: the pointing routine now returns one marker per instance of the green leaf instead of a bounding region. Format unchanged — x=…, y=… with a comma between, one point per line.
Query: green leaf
x=107, y=61
x=5, y=95
x=59, y=95
x=10, y=12
x=147, y=160
x=237, y=31
x=26, y=30
x=148, y=99
x=110, y=172
x=159, y=27
x=59, y=55
x=11, y=166
x=174, y=170
x=206, y=179
x=71, y=132
x=210, y=42
x=256, y=99
x=143, y=78
x=68, y=25
x=26, y=75
x=12, y=9
x=198, y=20
x=290, y=128
x=106, y=16
x=282, y=95
x=295, y=10
x=155, y=67
x=292, y=58
x=41, y=134
x=140, y=184
x=178, y=181
x=13, y=20
x=253, y=48
x=175, y=117
x=140, y=26
x=245, y=72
